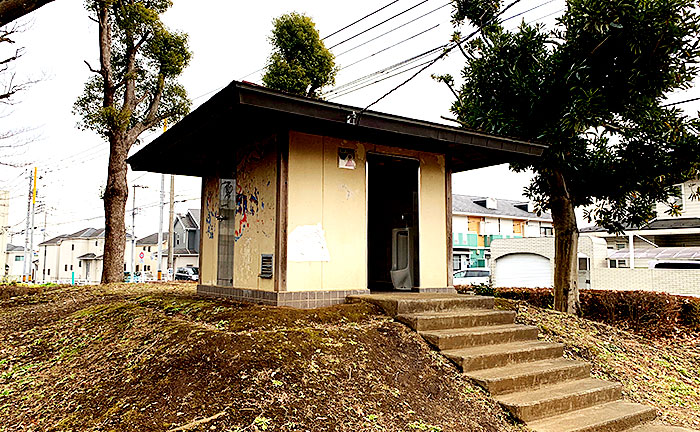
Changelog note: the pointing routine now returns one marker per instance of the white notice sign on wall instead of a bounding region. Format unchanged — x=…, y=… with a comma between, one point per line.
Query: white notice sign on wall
x=307, y=243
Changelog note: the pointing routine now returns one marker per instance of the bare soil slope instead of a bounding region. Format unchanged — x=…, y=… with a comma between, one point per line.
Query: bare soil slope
x=156, y=357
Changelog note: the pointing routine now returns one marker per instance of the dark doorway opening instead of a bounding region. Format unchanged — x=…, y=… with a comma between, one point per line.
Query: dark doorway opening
x=392, y=187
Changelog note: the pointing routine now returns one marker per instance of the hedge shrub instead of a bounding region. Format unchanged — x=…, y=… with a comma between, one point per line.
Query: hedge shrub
x=645, y=312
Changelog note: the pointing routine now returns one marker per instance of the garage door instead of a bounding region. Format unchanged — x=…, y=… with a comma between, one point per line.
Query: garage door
x=523, y=270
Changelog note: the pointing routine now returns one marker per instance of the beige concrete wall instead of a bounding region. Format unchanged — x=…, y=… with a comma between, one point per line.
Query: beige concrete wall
x=334, y=199
x=210, y=231
x=256, y=214
x=671, y=281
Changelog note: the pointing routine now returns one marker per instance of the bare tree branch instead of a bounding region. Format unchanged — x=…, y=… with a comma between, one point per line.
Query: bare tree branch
x=10, y=10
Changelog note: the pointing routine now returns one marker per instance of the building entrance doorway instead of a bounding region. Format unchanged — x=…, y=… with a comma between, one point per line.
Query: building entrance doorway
x=392, y=222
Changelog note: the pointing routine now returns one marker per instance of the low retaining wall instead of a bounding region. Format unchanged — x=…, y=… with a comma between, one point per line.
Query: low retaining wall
x=671, y=281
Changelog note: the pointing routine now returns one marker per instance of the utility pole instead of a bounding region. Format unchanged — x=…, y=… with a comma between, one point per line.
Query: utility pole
x=160, y=227
x=26, y=231
x=160, y=223
x=31, y=238
x=171, y=224
x=133, y=232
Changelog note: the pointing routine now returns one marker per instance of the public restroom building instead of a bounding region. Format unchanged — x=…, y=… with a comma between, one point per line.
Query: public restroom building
x=305, y=201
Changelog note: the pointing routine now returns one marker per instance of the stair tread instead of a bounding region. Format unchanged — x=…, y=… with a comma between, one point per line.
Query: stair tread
x=660, y=428
x=588, y=418
x=556, y=391
x=481, y=350
x=455, y=313
x=524, y=369
x=496, y=328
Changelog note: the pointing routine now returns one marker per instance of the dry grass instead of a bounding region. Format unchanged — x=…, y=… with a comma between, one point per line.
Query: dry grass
x=156, y=357
x=662, y=372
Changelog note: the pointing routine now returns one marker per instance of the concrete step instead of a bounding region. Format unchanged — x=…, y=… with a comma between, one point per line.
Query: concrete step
x=407, y=303
x=529, y=375
x=609, y=417
x=651, y=427
x=458, y=318
x=487, y=335
x=492, y=356
x=560, y=398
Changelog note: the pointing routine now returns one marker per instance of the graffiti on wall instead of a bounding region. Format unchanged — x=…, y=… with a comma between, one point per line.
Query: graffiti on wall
x=210, y=211
x=247, y=205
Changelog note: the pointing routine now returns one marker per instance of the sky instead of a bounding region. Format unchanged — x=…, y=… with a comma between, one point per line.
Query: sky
x=229, y=41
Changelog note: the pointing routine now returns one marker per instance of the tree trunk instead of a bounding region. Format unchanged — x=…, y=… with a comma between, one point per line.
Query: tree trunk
x=116, y=194
x=566, y=294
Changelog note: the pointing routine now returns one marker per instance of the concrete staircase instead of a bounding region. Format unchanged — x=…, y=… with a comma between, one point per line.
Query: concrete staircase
x=528, y=377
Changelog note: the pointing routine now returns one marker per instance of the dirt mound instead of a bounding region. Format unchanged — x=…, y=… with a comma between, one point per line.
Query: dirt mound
x=156, y=357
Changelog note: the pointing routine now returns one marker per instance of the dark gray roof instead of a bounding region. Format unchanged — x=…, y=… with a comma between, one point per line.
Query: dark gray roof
x=182, y=252
x=85, y=233
x=188, y=222
x=247, y=110
x=13, y=248
x=151, y=239
x=54, y=240
x=195, y=215
x=88, y=233
x=88, y=256
x=476, y=205
x=657, y=224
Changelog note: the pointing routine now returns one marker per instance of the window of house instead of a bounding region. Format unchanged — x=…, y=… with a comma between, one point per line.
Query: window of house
x=66, y=267
x=72, y=247
x=678, y=200
x=48, y=272
x=456, y=263
x=19, y=258
x=583, y=264
x=95, y=242
x=80, y=263
x=546, y=231
x=149, y=248
x=177, y=239
x=618, y=264
x=124, y=266
x=71, y=267
x=620, y=246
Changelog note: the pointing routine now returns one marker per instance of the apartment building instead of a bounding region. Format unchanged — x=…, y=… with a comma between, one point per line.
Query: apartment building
x=477, y=221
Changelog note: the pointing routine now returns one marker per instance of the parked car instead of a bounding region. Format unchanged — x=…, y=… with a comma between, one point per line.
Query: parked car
x=187, y=273
x=472, y=276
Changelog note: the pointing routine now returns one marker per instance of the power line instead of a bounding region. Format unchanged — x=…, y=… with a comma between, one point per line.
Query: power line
x=391, y=46
x=392, y=30
x=363, y=18
x=681, y=102
x=381, y=23
x=378, y=81
x=387, y=69
x=444, y=54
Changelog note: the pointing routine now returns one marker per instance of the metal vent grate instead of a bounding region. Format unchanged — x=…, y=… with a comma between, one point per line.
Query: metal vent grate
x=266, y=266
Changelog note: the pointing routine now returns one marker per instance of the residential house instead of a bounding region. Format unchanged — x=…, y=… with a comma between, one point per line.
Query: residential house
x=13, y=258
x=148, y=246
x=306, y=201
x=478, y=221
x=665, y=240
x=75, y=257
x=662, y=255
x=186, y=239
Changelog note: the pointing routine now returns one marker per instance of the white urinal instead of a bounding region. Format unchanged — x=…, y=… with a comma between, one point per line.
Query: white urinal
x=401, y=259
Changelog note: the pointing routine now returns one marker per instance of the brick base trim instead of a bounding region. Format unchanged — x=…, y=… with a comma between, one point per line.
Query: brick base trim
x=296, y=299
